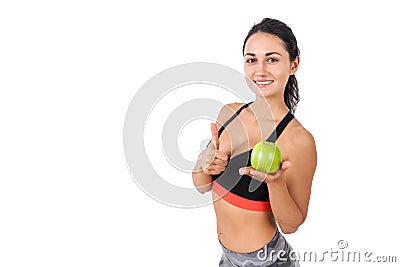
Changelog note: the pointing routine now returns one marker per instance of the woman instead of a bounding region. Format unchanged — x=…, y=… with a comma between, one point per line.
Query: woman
x=250, y=205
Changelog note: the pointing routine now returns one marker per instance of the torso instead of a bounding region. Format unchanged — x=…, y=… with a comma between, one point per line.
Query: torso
x=242, y=230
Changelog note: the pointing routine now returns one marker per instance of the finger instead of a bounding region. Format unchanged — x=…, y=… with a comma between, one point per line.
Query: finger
x=211, y=171
x=275, y=175
x=212, y=166
x=214, y=135
x=207, y=171
x=205, y=164
x=210, y=146
x=220, y=162
x=260, y=176
x=221, y=155
x=286, y=164
x=253, y=173
x=217, y=168
x=245, y=171
x=211, y=155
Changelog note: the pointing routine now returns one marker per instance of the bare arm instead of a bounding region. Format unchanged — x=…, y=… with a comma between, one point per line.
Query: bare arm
x=201, y=175
x=290, y=186
x=201, y=180
x=212, y=160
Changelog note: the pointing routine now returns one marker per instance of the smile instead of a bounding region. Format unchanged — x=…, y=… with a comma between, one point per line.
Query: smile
x=263, y=83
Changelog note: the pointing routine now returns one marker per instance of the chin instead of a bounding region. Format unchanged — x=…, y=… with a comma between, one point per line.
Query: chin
x=266, y=92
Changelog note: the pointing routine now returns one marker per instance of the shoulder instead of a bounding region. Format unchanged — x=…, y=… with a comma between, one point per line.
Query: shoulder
x=300, y=139
x=233, y=107
x=227, y=111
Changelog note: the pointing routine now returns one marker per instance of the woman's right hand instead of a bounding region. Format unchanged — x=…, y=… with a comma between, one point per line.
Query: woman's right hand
x=212, y=160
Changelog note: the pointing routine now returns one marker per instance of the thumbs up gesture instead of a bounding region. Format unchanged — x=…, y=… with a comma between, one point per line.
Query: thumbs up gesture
x=213, y=160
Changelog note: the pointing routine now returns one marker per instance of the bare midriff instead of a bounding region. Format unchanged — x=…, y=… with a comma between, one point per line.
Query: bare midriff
x=242, y=230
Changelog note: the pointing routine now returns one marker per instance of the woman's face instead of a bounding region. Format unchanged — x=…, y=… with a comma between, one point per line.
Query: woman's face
x=267, y=63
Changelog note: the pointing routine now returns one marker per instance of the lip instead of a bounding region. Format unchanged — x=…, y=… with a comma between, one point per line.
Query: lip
x=263, y=83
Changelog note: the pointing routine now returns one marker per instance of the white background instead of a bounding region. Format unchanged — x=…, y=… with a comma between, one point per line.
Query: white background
x=69, y=69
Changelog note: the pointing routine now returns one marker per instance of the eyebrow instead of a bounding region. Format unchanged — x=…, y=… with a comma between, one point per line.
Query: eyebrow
x=266, y=54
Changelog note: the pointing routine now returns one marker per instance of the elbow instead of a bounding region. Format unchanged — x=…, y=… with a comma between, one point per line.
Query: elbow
x=203, y=188
x=290, y=228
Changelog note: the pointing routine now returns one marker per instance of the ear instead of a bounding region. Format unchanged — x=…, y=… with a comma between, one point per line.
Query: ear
x=294, y=65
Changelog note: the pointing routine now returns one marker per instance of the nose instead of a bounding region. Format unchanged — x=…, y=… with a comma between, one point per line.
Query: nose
x=261, y=68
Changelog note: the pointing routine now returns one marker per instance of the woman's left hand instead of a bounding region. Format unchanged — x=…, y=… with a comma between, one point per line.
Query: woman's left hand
x=265, y=177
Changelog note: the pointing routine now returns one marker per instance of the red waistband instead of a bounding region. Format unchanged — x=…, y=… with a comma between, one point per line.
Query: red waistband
x=238, y=201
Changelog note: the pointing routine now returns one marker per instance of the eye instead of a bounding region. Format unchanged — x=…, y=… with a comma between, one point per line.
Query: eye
x=272, y=60
x=250, y=60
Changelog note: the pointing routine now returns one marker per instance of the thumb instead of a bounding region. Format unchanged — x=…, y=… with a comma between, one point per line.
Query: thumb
x=286, y=164
x=214, y=135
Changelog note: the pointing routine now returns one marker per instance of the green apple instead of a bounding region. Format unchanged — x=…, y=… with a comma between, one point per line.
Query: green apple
x=266, y=157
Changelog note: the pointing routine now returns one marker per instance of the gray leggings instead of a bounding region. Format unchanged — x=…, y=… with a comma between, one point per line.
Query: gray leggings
x=276, y=253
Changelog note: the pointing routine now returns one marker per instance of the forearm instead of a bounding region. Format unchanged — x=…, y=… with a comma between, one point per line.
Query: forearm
x=201, y=180
x=285, y=210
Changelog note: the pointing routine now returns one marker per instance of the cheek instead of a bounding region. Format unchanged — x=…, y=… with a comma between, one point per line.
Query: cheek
x=250, y=68
x=282, y=73
x=247, y=71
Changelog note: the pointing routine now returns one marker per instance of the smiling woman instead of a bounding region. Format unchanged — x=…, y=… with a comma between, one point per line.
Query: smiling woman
x=249, y=204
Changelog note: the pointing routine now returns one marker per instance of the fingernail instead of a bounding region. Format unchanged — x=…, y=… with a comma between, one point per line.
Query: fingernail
x=241, y=171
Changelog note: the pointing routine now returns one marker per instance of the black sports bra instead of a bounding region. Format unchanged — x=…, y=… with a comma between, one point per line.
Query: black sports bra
x=242, y=190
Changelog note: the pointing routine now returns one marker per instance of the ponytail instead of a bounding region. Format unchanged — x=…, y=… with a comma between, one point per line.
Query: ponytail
x=291, y=94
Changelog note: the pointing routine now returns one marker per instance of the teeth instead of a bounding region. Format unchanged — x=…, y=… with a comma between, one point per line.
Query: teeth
x=264, y=83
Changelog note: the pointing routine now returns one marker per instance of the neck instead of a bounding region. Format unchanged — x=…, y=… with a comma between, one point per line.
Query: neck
x=271, y=108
